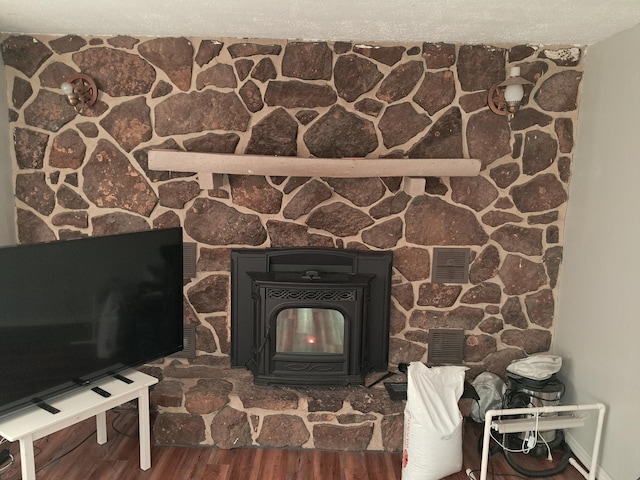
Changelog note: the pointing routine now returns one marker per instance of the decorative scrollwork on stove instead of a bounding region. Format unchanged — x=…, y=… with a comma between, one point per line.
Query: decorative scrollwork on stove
x=307, y=367
x=312, y=294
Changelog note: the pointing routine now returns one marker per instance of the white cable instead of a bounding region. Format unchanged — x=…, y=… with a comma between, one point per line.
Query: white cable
x=6, y=467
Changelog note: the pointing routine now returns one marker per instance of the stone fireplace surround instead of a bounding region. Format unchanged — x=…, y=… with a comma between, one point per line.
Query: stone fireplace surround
x=87, y=174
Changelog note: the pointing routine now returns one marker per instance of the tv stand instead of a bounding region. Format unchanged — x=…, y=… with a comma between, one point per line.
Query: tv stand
x=33, y=422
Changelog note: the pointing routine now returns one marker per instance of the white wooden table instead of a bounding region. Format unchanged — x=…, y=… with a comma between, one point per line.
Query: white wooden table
x=32, y=423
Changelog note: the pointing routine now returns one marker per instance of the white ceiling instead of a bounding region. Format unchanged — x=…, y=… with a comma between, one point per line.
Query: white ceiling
x=566, y=22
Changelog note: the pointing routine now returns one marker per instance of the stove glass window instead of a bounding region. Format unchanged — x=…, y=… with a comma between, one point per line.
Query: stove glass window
x=310, y=330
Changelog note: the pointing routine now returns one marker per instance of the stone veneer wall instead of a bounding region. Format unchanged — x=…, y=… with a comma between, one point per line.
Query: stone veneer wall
x=86, y=174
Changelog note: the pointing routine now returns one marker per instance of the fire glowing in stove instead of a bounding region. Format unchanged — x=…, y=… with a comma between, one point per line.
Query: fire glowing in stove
x=311, y=339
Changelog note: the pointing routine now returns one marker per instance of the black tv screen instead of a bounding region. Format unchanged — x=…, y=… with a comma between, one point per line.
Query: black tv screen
x=75, y=311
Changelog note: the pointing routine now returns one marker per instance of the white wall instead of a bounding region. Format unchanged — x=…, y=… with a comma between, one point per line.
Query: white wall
x=598, y=327
x=8, y=234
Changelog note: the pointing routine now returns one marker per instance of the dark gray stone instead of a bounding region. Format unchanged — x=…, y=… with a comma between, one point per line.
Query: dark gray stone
x=540, y=151
x=32, y=189
x=297, y=94
x=275, y=135
x=400, y=123
x=306, y=199
x=443, y=140
x=32, y=229
x=207, y=51
x=118, y=222
x=24, y=53
x=178, y=429
x=30, y=147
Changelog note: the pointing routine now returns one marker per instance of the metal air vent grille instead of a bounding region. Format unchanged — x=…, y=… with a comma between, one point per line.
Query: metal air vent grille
x=450, y=265
x=446, y=346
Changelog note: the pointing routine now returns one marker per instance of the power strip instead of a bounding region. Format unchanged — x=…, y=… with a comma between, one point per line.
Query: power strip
x=4, y=456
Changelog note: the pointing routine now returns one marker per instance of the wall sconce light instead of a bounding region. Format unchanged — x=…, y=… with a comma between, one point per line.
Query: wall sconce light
x=505, y=97
x=81, y=91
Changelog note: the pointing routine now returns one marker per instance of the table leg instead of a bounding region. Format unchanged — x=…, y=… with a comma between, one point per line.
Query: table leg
x=101, y=428
x=27, y=458
x=145, y=429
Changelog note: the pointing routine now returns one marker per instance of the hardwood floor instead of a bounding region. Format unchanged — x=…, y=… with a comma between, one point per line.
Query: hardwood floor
x=118, y=460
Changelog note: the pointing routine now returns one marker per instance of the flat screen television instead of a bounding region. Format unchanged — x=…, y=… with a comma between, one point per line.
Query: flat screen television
x=74, y=311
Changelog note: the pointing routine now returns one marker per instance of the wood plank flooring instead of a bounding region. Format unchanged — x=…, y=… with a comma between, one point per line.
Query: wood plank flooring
x=118, y=459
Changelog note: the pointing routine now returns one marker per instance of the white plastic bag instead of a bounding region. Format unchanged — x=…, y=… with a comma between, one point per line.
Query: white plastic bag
x=490, y=388
x=432, y=422
x=536, y=367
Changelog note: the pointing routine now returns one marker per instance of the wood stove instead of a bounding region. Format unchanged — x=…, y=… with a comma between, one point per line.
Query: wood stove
x=308, y=316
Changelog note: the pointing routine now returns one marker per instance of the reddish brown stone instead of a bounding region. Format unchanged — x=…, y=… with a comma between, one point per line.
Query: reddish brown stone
x=552, y=234
x=504, y=203
x=528, y=117
x=254, y=192
x=30, y=147
x=520, y=275
x=339, y=133
x=530, y=341
x=265, y=70
x=307, y=61
x=513, y=238
x=480, y=67
x=390, y=205
x=275, y=135
x=401, y=81
x=475, y=192
x=162, y=89
x=167, y=393
x=540, y=308
x=118, y=222
x=210, y=294
x=439, y=55
x=118, y=73
x=207, y=396
x=354, y=75
x=285, y=234
x=403, y=351
x=174, y=56
x=177, y=194
x=73, y=219
x=438, y=294
x=297, y=94
x=129, y=123
x=559, y=92
x=213, y=143
x=495, y=218
x=540, y=151
x=167, y=220
x=392, y=428
x=491, y=325
x=221, y=327
x=178, y=429
x=564, y=131
x=564, y=169
x=387, y=55
x=376, y=400
x=88, y=129
x=280, y=431
x=24, y=53
x=142, y=157
x=369, y=106
x=306, y=116
x=214, y=259
x=403, y=293
x=552, y=260
x=400, y=123
x=306, y=199
x=412, y=262
x=121, y=41
x=485, y=266
x=473, y=101
x=251, y=96
x=32, y=189
x=49, y=111
x=385, y=235
x=31, y=229
x=478, y=347
x=497, y=362
x=436, y=91
x=230, y=429
x=219, y=75
x=243, y=67
x=505, y=174
x=543, y=192
x=21, y=92
x=249, y=49
x=466, y=318
x=68, y=198
x=421, y=337
x=483, y=293
x=339, y=219
x=443, y=140
x=342, y=438
x=488, y=136
x=360, y=191
x=207, y=51
x=563, y=57
x=66, y=44
x=54, y=74
x=204, y=340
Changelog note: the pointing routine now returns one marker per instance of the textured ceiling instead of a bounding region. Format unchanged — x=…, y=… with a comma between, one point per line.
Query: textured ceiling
x=575, y=22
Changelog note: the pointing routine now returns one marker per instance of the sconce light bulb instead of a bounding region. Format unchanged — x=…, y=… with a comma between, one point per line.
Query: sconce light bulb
x=66, y=88
x=513, y=93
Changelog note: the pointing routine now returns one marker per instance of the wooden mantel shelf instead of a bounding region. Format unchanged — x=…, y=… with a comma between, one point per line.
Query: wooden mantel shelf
x=217, y=163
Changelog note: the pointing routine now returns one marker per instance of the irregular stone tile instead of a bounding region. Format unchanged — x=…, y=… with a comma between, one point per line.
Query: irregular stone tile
x=95, y=41
x=117, y=222
x=339, y=219
x=341, y=47
x=497, y=362
x=553, y=234
x=173, y=55
x=225, y=111
x=398, y=320
x=177, y=194
x=207, y=51
x=517, y=145
x=559, y=92
x=401, y=81
x=339, y=133
x=32, y=229
x=491, y=325
x=360, y=191
x=436, y=91
x=484, y=293
x=30, y=147
x=117, y=73
x=520, y=52
x=255, y=193
x=513, y=238
x=520, y=275
x=505, y=174
x=13, y=115
x=403, y=293
x=552, y=260
x=293, y=183
x=488, y=136
x=400, y=123
x=404, y=351
x=212, y=222
x=24, y=53
x=485, y=265
x=354, y=75
x=68, y=198
x=178, y=429
x=122, y=41
x=49, y=111
x=96, y=110
x=564, y=169
x=543, y=192
x=443, y=140
x=412, y=262
x=166, y=220
x=495, y=218
x=67, y=150
x=369, y=106
x=54, y=177
x=478, y=347
x=475, y=192
x=540, y=151
x=214, y=259
x=530, y=341
x=564, y=131
x=540, y=308
x=307, y=61
x=528, y=117
x=480, y=67
x=414, y=51
x=306, y=199
x=306, y=116
x=375, y=400
x=513, y=314
x=387, y=55
x=219, y=75
x=167, y=393
x=392, y=429
x=210, y=294
x=221, y=327
x=110, y=181
x=390, y=205
x=268, y=398
x=21, y=92
x=264, y=70
x=432, y=221
x=543, y=218
x=32, y=189
x=392, y=183
x=466, y=318
x=439, y=55
x=280, y=431
x=66, y=44
x=473, y=101
x=162, y=89
x=434, y=186
x=249, y=49
x=563, y=57
x=330, y=399
x=276, y=135
x=54, y=74
x=213, y=143
x=207, y=396
x=384, y=235
x=88, y=129
x=243, y=67
x=342, y=438
x=251, y=96
x=297, y=94
x=438, y=294
x=72, y=219
x=421, y=337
